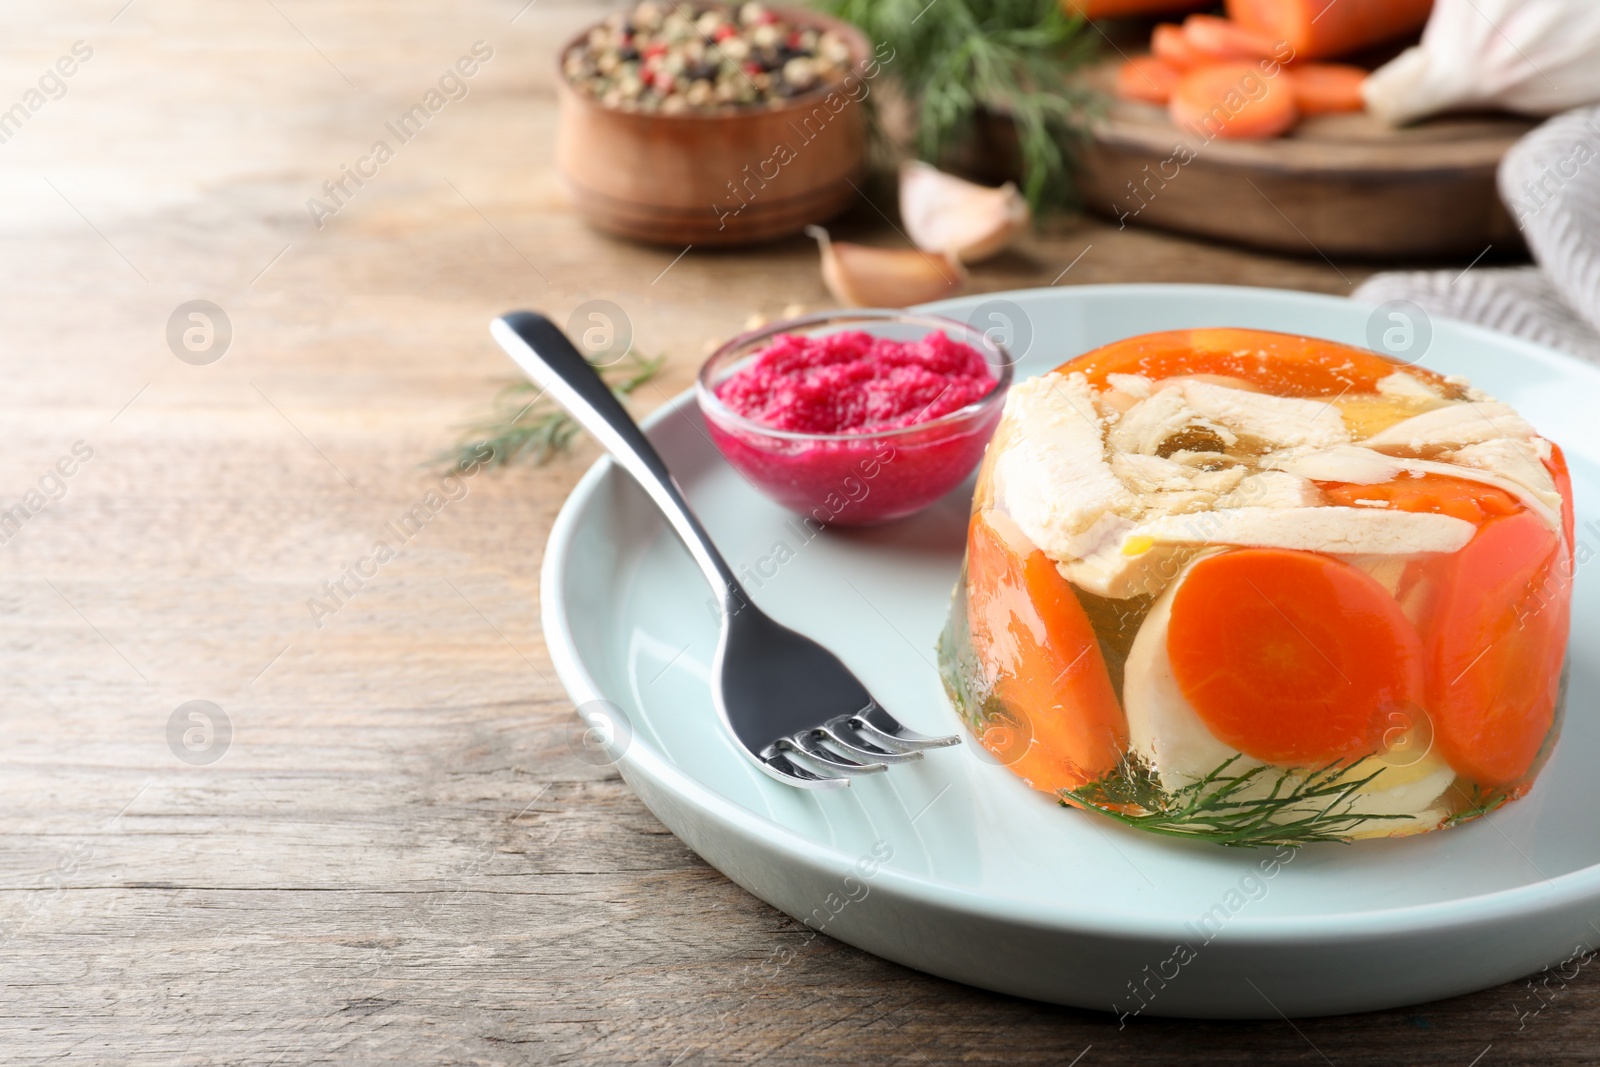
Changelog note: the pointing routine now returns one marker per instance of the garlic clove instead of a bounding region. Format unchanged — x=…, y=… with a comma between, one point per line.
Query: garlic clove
x=860, y=276
x=943, y=213
x=1532, y=57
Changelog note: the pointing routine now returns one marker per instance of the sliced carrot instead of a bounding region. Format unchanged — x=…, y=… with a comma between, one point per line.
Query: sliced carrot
x=1320, y=29
x=1291, y=657
x=1557, y=466
x=1496, y=643
x=1225, y=39
x=1280, y=363
x=1436, y=493
x=1043, y=660
x=1111, y=9
x=1233, y=100
x=1326, y=88
x=1147, y=78
x=1168, y=44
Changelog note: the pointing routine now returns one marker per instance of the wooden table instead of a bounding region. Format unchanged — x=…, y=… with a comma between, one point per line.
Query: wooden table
x=396, y=855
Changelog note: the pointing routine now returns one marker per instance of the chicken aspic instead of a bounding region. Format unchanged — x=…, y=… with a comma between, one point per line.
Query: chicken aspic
x=1258, y=588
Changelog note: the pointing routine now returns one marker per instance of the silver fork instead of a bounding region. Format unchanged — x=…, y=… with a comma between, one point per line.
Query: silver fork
x=792, y=705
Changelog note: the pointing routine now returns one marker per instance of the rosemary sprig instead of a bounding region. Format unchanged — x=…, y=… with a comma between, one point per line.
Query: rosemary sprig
x=527, y=424
x=1301, y=807
x=956, y=59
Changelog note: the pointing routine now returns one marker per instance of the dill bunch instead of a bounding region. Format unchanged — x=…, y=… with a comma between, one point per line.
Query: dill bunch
x=527, y=424
x=956, y=59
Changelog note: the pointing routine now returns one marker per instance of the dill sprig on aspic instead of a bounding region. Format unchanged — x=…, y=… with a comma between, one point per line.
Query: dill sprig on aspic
x=1300, y=807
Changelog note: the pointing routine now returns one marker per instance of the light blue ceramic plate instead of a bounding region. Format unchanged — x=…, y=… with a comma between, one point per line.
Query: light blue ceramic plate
x=951, y=865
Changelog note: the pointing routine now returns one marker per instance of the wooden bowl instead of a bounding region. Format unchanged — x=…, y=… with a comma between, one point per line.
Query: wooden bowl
x=729, y=177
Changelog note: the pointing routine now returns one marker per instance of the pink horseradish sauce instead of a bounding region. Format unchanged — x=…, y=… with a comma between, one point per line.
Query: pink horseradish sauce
x=853, y=382
x=872, y=396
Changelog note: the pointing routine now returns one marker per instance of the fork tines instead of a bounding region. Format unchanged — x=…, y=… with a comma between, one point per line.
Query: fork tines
x=846, y=746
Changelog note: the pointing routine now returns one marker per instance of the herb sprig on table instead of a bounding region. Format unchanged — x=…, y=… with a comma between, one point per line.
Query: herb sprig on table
x=528, y=425
x=956, y=59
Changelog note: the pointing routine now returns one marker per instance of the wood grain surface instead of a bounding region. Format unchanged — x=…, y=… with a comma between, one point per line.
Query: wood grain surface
x=1344, y=183
x=396, y=855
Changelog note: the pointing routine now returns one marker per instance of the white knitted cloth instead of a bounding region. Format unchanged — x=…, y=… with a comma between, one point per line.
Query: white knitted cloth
x=1551, y=182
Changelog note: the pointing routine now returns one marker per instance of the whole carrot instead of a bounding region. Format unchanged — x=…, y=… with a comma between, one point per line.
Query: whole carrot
x=1318, y=29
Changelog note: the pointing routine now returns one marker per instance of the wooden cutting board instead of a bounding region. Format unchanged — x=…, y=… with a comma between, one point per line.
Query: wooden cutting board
x=1339, y=185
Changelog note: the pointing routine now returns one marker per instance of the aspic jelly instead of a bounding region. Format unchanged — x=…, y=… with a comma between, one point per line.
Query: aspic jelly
x=1258, y=588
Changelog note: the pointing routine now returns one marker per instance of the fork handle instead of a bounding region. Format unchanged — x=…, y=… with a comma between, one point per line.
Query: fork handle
x=550, y=359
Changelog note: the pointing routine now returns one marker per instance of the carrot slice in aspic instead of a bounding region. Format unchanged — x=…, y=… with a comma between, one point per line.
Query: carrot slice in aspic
x=1438, y=494
x=1497, y=639
x=1043, y=661
x=1280, y=363
x=1557, y=466
x=1496, y=635
x=1292, y=658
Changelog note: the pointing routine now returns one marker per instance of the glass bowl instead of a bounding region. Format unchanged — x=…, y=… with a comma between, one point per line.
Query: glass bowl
x=855, y=479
